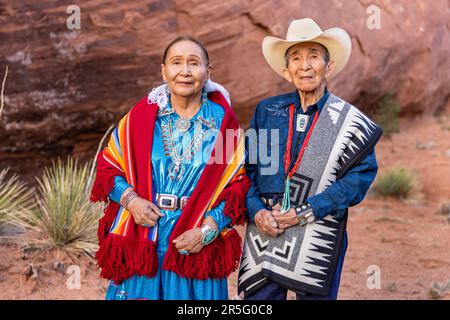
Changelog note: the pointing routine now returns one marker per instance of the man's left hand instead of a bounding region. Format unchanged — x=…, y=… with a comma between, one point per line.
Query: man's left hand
x=284, y=220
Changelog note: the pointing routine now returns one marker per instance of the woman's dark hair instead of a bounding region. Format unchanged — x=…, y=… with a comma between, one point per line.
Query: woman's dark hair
x=184, y=38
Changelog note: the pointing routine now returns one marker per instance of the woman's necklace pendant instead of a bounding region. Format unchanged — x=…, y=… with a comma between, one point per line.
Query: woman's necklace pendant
x=182, y=124
x=176, y=171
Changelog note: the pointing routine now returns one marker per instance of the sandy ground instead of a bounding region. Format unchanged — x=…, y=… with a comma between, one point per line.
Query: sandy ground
x=407, y=241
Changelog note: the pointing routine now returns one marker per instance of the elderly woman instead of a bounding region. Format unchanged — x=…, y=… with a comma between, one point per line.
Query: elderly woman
x=175, y=185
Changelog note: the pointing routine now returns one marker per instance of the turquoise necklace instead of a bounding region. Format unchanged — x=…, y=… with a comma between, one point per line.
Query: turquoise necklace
x=173, y=148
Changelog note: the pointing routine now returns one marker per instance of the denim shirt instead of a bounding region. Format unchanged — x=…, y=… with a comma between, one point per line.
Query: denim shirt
x=268, y=175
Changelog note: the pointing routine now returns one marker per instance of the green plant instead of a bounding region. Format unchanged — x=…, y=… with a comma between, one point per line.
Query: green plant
x=64, y=217
x=387, y=114
x=397, y=182
x=14, y=195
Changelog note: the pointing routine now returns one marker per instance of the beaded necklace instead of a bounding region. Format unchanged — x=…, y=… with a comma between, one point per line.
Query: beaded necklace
x=172, y=148
x=286, y=205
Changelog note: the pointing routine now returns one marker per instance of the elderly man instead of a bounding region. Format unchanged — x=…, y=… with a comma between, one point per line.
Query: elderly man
x=324, y=149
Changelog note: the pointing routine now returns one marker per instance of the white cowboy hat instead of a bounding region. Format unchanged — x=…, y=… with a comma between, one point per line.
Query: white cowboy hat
x=336, y=40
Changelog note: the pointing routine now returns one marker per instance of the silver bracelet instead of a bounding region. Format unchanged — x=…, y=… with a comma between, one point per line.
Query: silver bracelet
x=305, y=214
x=130, y=195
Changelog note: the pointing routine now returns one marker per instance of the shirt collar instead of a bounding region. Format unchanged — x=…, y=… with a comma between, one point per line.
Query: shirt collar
x=294, y=98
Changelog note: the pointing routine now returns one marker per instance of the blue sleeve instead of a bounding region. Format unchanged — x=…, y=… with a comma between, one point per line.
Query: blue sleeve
x=120, y=185
x=219, y=218
x=253, y=200
x=347, y=191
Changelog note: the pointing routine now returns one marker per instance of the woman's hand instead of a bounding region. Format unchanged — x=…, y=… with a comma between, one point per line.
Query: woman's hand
x=144, y=212
x=190, y=241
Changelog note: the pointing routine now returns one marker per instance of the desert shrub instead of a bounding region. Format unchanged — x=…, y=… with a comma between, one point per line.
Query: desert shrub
x=63, y=217
x=396, y=182
x=14, y=195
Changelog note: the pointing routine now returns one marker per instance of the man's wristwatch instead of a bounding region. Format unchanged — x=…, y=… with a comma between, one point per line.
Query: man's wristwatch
x=305, y=214
x=208, y=234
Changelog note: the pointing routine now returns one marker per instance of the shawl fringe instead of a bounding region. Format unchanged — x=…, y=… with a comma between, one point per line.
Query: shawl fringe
x=120, y=258
x=105, y=222
x=101, y=188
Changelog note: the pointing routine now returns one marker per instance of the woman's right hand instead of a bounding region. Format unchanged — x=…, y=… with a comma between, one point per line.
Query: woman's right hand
x=144, y=212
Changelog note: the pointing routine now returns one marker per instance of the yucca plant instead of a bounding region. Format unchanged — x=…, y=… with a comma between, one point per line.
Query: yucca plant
x=396, y=182
x=14, y=196
x=63, y=217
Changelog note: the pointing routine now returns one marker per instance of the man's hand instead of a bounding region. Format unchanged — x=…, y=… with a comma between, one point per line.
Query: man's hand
x=284, y=220
x=144, y=211
x=266, y=223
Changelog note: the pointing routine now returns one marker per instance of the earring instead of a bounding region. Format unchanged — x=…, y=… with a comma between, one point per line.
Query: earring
x=204, y=96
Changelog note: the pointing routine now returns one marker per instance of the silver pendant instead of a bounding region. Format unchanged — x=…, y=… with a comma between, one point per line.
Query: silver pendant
x=182, y=124
x=302, y=122
x=176, y=171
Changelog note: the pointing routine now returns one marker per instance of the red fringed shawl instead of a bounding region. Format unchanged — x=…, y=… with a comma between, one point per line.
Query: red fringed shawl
x=127, y=249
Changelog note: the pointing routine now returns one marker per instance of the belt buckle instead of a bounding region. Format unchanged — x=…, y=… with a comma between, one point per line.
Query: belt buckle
x=167, y=202
x=183, y=201
x=269, y=201
x=264, y=200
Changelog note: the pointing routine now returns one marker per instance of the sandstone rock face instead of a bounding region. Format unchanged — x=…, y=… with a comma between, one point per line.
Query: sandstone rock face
x=66, y=87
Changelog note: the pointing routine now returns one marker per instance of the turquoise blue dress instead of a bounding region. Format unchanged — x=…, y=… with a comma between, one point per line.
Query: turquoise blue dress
x=166, y=284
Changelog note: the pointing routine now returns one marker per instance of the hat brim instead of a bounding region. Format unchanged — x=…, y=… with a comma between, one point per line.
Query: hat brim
x=336, y=40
